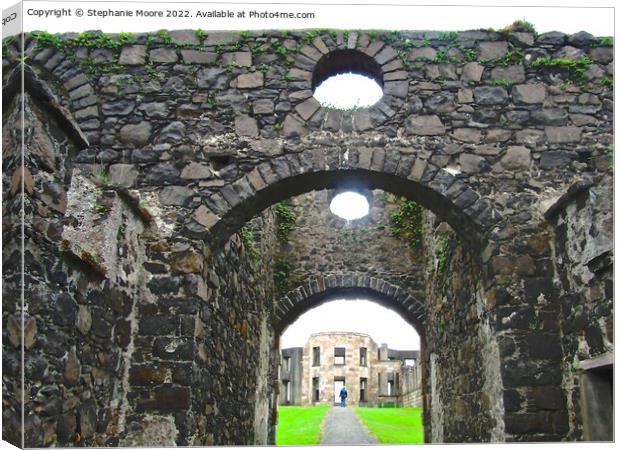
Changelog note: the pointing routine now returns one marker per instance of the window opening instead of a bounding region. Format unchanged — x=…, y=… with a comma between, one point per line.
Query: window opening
x=363, y=354
x=339, y=354
x=349, y=205
x=316, y=356
x=363, y=382
x=347, y=80
x=315, y=389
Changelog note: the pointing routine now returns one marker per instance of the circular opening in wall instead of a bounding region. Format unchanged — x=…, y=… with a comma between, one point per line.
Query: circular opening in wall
x=349, y=205
x=347, y=80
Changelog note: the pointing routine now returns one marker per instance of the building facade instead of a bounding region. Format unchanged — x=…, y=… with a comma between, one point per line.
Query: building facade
x=373, y=375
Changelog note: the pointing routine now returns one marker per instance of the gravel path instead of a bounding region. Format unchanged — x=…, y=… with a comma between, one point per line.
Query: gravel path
x=342, y=427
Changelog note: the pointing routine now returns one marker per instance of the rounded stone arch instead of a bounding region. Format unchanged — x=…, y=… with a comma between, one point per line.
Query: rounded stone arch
x=347, y=285
x=53, y=77
x=362, y=55
x=449, y=197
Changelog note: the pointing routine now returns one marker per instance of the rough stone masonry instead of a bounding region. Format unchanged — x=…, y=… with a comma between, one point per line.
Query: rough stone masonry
x=152, y=283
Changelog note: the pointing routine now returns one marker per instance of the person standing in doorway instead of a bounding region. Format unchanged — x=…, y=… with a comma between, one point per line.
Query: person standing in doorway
x=343, y=397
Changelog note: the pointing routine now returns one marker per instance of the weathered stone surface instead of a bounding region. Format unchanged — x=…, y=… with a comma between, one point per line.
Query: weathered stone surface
x=554, y=159
x=118, y=108
x=551, y=37
x=173, y=132
x=428, y=53
x=243, y=59
x=425, y=126
x=163, y=55
x=250, y=80
x=470, y=135
x=184, y=37
x=196, y=171
x=175, y=195
x=293, y=127
x=442, y=102
x=198, y=56
x=187, y=262
x=205, y=217
x=263, y=106
x=136, y=134
x=170, y=398
x=550, y=116
x=84, y=319
x=72, y=369
x=246, y=126
x=156, y=110
x=307, y=108
x=472, y=72
x=491, y=95
x=513, y=74
x=472, y=163
x=212, y=78
x=516, y=158
x=560, y=135
x=528, y=93
x=530, y=136
x=221, y=38
x=133, y=55
x=465, y=96
x=87, y=113
x=602, y=55
x=492, y=50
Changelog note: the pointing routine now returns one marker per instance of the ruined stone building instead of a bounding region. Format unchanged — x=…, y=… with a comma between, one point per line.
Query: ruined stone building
x=373, y=375
x=166, y=218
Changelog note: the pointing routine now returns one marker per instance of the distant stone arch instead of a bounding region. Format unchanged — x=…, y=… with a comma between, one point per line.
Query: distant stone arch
x=348, y=285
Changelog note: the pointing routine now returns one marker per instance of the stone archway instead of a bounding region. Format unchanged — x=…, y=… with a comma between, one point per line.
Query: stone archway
x=434, y=188
x=477, y=133
x=349, y=285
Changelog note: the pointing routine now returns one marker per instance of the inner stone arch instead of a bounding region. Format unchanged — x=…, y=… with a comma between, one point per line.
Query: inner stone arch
x=319, y=290
x=435, y=189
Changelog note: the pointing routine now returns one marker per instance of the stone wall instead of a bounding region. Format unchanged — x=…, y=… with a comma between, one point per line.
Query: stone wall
x=322, y=243
x=378, y=371
x=351, y=370
x=292, y=375
x=583, y=257
x=187, y=136
x=411, y=386
x=210, y=366
x=465, y=404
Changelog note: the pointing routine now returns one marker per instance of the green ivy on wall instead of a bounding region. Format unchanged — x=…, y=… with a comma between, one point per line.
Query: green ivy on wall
x=285, y=220
x=281, y=274
x=250, y=243
x=406, y=223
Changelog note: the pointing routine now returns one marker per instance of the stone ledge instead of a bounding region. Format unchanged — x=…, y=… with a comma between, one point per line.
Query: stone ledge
x=567, y=197
x=606, y=359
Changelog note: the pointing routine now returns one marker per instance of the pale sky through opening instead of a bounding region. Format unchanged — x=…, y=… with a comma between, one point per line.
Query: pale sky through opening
x=349, y=205
x=348, y=91
x=362, y=316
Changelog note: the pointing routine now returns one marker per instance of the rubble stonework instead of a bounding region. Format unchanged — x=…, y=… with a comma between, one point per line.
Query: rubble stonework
x=152, y=164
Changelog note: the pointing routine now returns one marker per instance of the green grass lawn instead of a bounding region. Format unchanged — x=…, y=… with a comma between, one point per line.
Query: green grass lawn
x=300, y=425
x=394, y=425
